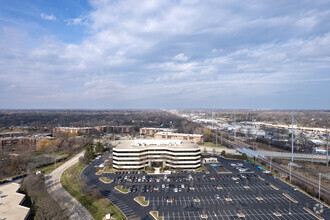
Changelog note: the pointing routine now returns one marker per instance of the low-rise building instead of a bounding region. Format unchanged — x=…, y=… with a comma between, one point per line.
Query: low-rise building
x=11, y=200
x=197, y=138
x=124, y=129
x=152, y=131
x=137, y=154
x=12, y=143
x=74, y=130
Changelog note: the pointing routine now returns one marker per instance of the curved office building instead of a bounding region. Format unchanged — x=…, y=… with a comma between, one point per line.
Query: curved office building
x=137, y=154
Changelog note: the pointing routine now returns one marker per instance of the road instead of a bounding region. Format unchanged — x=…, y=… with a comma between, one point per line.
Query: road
x=324, y=192
x=68, y=204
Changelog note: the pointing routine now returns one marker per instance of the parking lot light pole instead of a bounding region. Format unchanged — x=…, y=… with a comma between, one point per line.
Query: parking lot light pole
x=290, y=172
x=216, y=137
x=320, y=174
x=327, y=149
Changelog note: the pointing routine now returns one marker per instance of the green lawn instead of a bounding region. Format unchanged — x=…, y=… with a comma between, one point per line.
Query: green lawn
x=201, y=169
x=120, y=189
x=105, y=180
x=98, y=208
x=155, y=215
x=141, y=200
x=109, y=170
x=210, y=144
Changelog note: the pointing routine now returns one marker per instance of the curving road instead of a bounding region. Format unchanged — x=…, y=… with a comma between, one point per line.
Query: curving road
x=68, y=204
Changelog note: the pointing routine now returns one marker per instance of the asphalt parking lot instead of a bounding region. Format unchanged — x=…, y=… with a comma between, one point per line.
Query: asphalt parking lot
x=221, y=193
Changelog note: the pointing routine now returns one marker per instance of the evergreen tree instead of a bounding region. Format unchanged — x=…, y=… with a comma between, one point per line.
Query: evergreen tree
x=89, y=154
x=99, y=148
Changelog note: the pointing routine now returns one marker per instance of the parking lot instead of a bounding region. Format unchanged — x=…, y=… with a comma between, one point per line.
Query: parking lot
x=251, y=194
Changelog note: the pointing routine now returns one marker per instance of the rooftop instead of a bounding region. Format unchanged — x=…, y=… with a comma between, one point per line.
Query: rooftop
x=145, y=143
x=179, y=134
x=11, y=200
x=162, y=129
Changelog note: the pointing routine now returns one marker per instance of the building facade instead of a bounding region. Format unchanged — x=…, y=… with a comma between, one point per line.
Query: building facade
x=137, y=154
x=197, y=138
x=152, y=131
x=124, y=129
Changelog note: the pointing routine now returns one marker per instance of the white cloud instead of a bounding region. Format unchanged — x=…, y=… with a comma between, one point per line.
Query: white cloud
x=133, y=51
x=50, y=17
x=181, y=57
x=76, y=21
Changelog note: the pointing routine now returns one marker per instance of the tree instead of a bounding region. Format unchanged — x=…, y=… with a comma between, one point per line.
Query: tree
x=89, y=154
x=43, y=144
x=244, y=156
x=223, y=153
x=99, y=148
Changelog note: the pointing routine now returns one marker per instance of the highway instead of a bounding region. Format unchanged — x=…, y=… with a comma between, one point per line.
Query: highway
x=324, y=191
x=68, y=204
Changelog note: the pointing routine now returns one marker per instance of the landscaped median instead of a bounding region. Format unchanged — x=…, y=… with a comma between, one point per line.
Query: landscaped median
x=105, y=180
x=120, y=189
x=141, y=200
x=201, y=169
x=97, y=207
x=155, y=215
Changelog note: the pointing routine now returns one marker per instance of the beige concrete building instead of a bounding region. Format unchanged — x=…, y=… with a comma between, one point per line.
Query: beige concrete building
x=124, y=129
x=137, y=154
x=74, y=130
x=11, y=200
x=152, y=131
x=197, y=138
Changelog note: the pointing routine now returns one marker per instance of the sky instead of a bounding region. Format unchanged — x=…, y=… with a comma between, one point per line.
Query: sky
x=122, y=54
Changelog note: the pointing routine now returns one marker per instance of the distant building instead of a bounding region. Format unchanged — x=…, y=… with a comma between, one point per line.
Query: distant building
x=11, y=143
x=197, y=138
x=124, y=129
x=74, y=130
x=137, y=154
x=152, y=131
x=13, y=134
x=11, y=200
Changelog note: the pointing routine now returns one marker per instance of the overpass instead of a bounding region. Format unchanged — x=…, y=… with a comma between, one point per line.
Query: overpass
x=296, y=156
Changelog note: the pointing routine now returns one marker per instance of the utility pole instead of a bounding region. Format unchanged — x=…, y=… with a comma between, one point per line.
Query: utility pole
x=271, y=158
x=320, y=174
x=292, y=142
x=290, y=173
x=216, y=137
x=234, y=126
x=327, y=149
x=221, y=137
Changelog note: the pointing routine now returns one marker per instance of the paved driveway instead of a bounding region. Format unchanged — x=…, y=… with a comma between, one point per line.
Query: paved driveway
x=68, y=204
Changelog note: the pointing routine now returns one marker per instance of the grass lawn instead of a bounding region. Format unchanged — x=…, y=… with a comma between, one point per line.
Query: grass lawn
x=48, y=169
x=98, y=208
x=105, y=180
x=155, y=215
x=210, y=144
x=201, y=169
x=120, y=189
x=141, y=200
x=109, y=170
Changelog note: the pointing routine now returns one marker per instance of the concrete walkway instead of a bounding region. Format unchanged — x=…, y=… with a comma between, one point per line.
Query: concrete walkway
x=68, y=204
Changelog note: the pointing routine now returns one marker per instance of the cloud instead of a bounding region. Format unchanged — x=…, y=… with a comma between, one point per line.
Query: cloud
x=181, y=57
x=50, y=17
x=76, y=21
x=184, y=53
